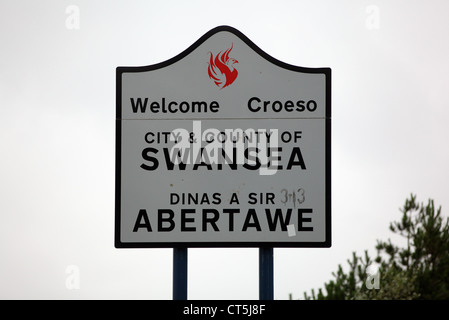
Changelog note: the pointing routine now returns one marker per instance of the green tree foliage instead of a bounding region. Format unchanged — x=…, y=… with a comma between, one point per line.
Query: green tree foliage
x=420, y=270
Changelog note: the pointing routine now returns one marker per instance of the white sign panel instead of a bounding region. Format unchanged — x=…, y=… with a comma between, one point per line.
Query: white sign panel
x=223, y=146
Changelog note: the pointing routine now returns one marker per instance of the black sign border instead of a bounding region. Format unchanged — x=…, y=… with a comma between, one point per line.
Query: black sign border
x=120, y=70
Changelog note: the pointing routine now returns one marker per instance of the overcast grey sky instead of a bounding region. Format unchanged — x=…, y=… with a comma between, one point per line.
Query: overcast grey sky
x=390, y=107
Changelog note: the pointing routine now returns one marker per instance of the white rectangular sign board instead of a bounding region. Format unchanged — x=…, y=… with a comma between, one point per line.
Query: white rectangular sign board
x=223, y=146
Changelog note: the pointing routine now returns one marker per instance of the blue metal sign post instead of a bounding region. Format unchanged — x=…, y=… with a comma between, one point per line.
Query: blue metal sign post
x=266, y=274
x=180, y=273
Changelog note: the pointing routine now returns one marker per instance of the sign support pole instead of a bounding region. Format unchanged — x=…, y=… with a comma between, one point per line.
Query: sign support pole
x=179, y=273
x=266, y=274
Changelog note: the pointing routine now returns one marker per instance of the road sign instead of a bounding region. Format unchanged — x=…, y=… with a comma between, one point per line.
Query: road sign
x=223, y=146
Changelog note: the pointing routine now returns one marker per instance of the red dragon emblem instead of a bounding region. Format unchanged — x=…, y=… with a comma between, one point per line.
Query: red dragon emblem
x=221, y=68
